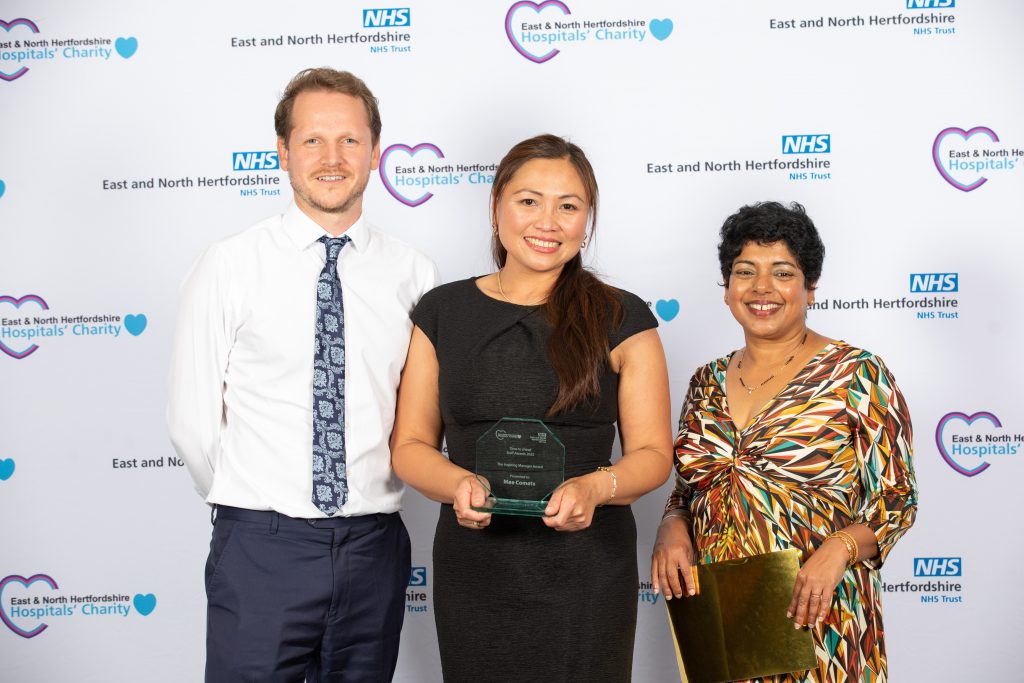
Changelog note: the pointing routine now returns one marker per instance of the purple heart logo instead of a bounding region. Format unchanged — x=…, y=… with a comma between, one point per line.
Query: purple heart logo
x=411, y=151
x=14, y=578
x=940, y=440
x=536, y=7
x=7, y=26
x=966, y=135
x=28, y=298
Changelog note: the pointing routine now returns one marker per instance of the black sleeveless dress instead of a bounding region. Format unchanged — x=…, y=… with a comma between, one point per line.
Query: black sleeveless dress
x=519, y=601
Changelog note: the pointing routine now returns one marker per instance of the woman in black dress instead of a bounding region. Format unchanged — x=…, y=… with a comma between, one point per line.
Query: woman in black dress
x=543, y=338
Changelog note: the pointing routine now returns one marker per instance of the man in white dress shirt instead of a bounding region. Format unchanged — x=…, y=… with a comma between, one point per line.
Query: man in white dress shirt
x=302, y=582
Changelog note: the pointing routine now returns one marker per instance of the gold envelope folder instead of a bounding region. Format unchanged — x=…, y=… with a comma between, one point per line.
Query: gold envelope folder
x=736, y=626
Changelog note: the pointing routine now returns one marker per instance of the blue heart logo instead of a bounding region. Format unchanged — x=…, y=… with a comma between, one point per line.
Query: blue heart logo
x=6, y=469
x=126, y=47
x=3, y=188
x=135, y=324
x=661, y=28
x=667, y=309
x=144, y=604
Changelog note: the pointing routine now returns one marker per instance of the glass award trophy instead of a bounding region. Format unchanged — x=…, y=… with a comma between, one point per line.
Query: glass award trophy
x=521, y=462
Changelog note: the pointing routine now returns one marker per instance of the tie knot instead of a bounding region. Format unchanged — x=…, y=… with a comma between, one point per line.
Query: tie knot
x=333, y=246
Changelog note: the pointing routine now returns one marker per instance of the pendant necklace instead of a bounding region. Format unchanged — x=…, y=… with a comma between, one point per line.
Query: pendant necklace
x=739, y=363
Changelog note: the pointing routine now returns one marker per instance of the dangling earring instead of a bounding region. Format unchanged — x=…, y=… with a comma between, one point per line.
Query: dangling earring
x=583, y=244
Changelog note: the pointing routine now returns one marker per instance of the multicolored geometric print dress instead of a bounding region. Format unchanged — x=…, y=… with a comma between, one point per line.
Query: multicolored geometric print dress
x=833, y=448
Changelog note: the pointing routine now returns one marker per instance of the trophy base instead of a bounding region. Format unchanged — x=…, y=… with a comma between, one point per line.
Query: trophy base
x=512, y=506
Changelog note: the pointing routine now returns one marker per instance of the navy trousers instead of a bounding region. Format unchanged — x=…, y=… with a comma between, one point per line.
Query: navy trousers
x=295, y=600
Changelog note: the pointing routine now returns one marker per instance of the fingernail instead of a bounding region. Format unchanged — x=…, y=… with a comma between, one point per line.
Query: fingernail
x=693, y=592
x=796, y=626
x=789, y=615
x=668, y=596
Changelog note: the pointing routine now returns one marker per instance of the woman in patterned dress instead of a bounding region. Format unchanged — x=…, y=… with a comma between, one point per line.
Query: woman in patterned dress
x=794, y=441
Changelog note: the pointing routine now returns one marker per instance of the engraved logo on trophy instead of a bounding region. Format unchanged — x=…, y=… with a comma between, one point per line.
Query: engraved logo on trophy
x=521, y=462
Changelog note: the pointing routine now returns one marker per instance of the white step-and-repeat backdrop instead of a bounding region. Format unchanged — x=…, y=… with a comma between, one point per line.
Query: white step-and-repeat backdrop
x=134, y=134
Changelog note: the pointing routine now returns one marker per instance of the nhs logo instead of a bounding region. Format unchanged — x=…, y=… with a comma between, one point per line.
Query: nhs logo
x=820, y=143
x=378, y=18
x=254, y=161
x=418, y=577
x=937, y=566
x=934, y=282
x=930, y=4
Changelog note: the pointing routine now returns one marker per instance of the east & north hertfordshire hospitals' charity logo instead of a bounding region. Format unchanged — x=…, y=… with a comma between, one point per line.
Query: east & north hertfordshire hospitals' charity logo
x=966, y=158
x=22, y=44
x=540, y=31
x=252, y=174
x=27, y=321
x=380, y=31
x=412, y=174
x=801, y=156
x=646, y=595
x=28, y=605
x=971, y=443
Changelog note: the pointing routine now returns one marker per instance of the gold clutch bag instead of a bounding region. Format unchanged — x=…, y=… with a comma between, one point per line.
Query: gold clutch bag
x=735, y=627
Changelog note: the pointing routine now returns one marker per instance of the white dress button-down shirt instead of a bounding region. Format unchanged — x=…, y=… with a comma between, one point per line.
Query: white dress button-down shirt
x=240, y=409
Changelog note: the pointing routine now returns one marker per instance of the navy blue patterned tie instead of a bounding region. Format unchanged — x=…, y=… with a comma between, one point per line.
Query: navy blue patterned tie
x=330, y=481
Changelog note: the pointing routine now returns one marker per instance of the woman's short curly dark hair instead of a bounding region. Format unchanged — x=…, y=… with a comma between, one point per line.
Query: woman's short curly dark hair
x=767, y=223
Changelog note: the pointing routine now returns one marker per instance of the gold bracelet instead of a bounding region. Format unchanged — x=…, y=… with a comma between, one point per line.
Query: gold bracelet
x=850, y=542
x=615, y=480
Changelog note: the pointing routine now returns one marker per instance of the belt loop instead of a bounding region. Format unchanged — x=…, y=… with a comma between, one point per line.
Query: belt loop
x=213, y=514
x=274, y=519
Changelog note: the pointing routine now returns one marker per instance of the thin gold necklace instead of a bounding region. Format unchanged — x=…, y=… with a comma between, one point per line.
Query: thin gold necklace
x=739, y=364
x=505, y=296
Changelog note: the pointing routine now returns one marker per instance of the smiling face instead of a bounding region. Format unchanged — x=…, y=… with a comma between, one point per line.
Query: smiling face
x=542, y=215
x=767, y=292
x=329, y=155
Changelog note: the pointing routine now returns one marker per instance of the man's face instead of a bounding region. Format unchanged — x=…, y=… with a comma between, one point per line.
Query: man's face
x=329, y=155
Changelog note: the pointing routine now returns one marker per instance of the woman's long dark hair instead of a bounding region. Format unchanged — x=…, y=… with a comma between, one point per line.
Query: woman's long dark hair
x=580, y=305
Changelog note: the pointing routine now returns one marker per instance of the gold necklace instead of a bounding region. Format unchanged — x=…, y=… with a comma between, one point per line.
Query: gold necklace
x=505, y=296
x=739, y=366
